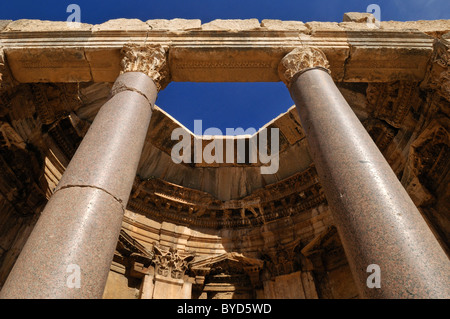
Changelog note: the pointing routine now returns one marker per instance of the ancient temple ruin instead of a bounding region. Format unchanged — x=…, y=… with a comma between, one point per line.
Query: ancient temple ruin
x=363, y=162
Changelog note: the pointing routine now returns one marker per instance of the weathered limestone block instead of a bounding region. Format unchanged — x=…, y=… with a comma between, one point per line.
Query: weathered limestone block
x=174, y=24
x=288, y=286
x=398, y=59
x=49, y=65
x=434, y=28
x=232, y=25
x=224, y=64
x=25, y=25
x=359, y=17
x=4, y=24
x=121, y=25
x=119, y=286
x=279, y=25
x=358, y=26
x=104, y=63
x=315, y=26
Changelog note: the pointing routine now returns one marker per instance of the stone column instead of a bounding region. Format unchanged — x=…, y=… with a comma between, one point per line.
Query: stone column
x=377, y=221
x=69, y=253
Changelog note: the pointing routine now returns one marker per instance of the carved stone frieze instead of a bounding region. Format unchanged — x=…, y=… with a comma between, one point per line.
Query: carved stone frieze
x=381, y=132
x=428, y=163
x=149, y=59
x=392, y=101
x=438, y=75
x=163, y=200
x=299, y=60
x=55, y=100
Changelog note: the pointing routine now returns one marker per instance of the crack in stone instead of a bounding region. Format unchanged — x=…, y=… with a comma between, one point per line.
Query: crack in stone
x=347, y=59
x=94, y=187
x=121, y=87
x=89, y=64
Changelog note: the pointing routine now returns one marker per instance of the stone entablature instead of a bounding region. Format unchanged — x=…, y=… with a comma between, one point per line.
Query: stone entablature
x=238, y=50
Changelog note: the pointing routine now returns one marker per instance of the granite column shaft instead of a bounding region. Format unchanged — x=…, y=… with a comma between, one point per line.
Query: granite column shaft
x=70, y=250
x=377, y=221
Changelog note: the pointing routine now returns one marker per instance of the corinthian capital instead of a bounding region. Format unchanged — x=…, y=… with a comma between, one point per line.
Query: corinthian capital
x=149, y=59
x=299, y=60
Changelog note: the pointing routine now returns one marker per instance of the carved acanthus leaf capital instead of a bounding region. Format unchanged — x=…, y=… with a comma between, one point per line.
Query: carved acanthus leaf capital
x=299, y=60
x=171, y=262
x=149, y=59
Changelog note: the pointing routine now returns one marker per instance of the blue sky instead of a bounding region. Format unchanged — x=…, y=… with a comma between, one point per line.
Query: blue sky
x=224, y=105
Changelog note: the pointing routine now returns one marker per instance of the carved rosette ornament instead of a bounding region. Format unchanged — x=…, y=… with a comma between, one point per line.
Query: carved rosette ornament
x=300, y=60
x=149, y=59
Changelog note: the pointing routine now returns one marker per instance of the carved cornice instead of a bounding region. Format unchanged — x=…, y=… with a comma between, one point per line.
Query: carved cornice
x=149, y=59
x=166, y=201
x=300, y=60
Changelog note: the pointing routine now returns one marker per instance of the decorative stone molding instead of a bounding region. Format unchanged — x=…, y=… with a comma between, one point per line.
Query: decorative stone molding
x=167, y=201
x=438, y=75
x=428, y=163
x=149, y=59
x=229, y=266
x=300, y=60
x=55, y=100
x=381, y=132
x=6, y=79
x=392, y=101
